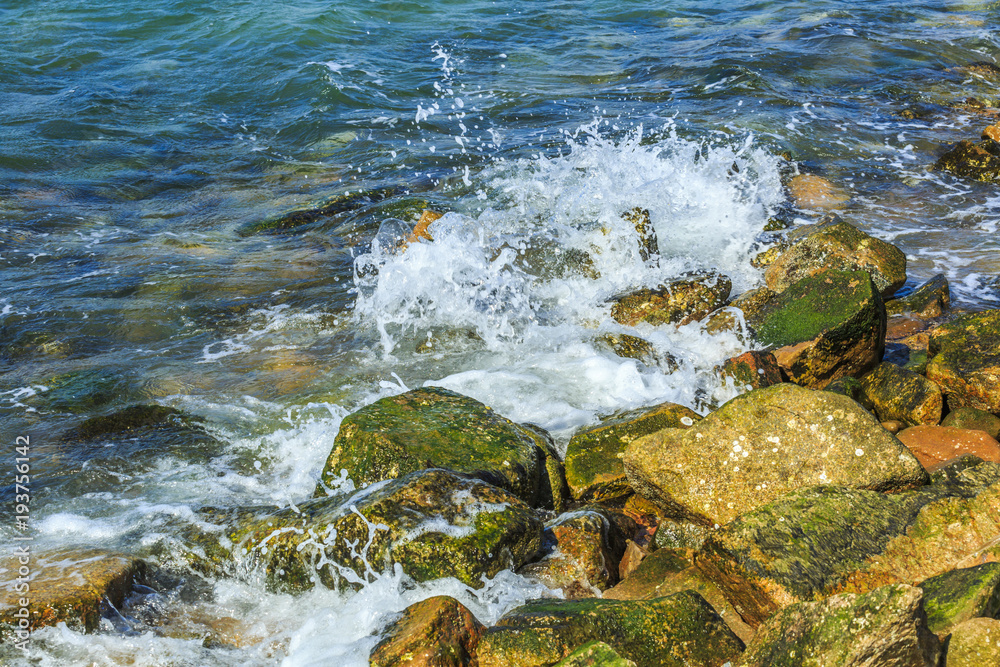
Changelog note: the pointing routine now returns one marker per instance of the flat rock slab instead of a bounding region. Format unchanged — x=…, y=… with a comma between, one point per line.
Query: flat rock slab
x=965, y=360
x=680, y=630
x=436, y=632
x=68, y=586
x=886, y=627
x=761, y=445
x=433, y=427
x=958, y=595
x=901, y=395
x=936, y=446
x=594, y=468
x=822, y=327
x=832, y=243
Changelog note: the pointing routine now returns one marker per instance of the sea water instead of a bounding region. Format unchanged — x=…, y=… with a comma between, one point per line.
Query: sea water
x=143, y=146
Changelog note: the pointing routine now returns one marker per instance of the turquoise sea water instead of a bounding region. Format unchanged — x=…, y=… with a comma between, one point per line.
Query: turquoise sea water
x=142, y=145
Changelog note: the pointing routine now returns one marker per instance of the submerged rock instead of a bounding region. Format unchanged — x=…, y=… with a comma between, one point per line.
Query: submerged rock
x=436, y=632
x=810, y=191
x=761, y=445
x=956, y=596
x=965, y=360
x=936, y=446
x=902, y=395
x=680, y=302
x=975, y=161
x=974, y=643
x=673, y=631
x=886, y=627
x=336, y=205
x=72, y=586
x=433, y=523
x=822, y=327
x=834, y=244
x=594, y=469
x=433, y=427
x=929, y=300
x=975, y=419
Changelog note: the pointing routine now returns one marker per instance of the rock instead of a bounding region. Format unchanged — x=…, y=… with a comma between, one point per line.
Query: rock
x=956, y=596
x=553, y=493
x=421, y=229
x=899, y=394
x=767, y=257
x=936, y=446
x=434, y=523
x=677, y=630
x=823, y=327
x=850, y=387
x=640, y=349
x=680, y=535
x=85, y=391
x=975, y=643
x=821, y=541
x=992, y=132
x=680, y=302
x=433, y=427
x=929, y=300
x=594, y=469
x=834, y=244
x=754, y=370
x=436, y=632
x=965, y=361
x=648, y=245
x=886, y=627
x=893, y=426
x=72, y=586
x=975, y=161
x=663, y=573
x=336, y=205
x=594, y=654
x=761, y=445
x=582, y=550
x=631, y=559
x=975, y=419
x=813, y=192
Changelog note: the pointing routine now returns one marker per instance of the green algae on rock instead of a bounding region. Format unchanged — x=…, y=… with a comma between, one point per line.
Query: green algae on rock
x=433, y=427
x=902, y=395
x=762, y=444
x=433, y=523
x=673, y=631
x=834, y=244
x=958, y=595
x=975, y=161
x=929, y=300
x=681, y=301
x=885, y=627
x=436, y=632
x=975, y=419
x=594, y=469
x=822, y=327
x=965, y=360
x=594, y=654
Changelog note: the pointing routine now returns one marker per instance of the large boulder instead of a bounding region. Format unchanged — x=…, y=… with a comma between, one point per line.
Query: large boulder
x=822, y=327
x=70, y=586
x=761, y=445
x=436, y=632
x=433, y=427
x=433, y=523
x=821, y=541
x=832, y=243
x=679, y=302
x=965, y=360
x=594, y=469
x=958, y=595
x=673, y=631
x=886, y=627
x=901, y=395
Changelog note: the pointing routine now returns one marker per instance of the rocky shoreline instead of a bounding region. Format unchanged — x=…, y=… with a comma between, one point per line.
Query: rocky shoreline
x=843, y=510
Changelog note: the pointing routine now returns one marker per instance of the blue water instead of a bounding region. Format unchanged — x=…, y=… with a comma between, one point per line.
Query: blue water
x=143, y=144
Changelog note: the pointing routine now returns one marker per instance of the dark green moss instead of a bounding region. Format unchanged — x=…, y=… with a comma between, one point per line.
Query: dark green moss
x=959, y=595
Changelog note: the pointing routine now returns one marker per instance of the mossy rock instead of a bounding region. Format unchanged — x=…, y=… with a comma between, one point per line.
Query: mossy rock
x=72, y=586
x=682, y=301
x=975, y=419
x=823, y=327
x=438, y=631
x=673, y=631
x=594, y=654
x=884, y=627
x=640, y=349
x=832, y=243
x=975, y=643
x=956, y=596
x=752, y=370
x=965, y=360
x=433, y=427
x=974, y=161
x=594, y=469
x=821, y=541
x=929, y=300
x=761, y=445
x=902, y=395
x=434, y=523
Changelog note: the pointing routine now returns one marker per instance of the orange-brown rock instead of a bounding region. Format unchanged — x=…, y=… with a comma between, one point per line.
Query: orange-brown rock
x=815, y=192
x=992, y=132
x=753, y=369
x=436, y=632
x=935, y=446
x=420, y=230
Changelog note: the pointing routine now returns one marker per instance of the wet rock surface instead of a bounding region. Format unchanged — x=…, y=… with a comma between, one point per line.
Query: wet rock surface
x=902, y=395
x=977, y=161
x=754, y=370
x=681, y=301
x=436, y=632
x=965, y=360
x=931, y=299
x=956, y=596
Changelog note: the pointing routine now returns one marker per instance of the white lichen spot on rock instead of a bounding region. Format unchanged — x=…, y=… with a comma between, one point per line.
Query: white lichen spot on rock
x=859, y=452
